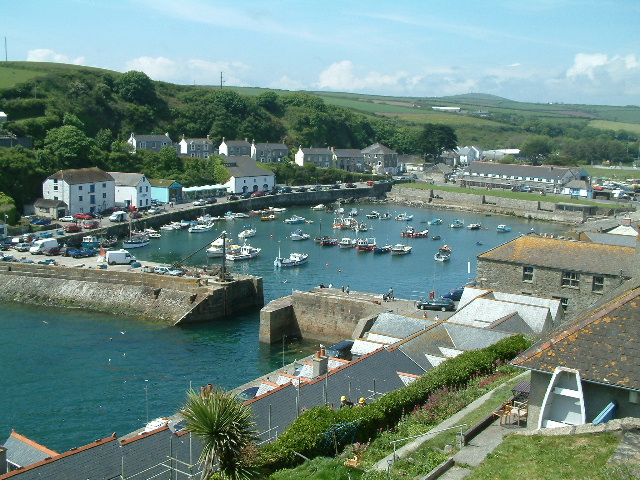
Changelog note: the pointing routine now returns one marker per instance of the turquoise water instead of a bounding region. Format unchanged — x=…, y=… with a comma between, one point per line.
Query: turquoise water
x=70, y=376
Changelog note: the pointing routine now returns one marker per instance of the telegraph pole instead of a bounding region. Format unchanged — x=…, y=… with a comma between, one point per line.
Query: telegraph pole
x=221, y=81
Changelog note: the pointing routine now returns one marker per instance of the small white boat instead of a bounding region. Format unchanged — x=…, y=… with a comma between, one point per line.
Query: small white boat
x=246, y=252
x=563, y=403
x=320, y=207
x=373, y=215
x=171, y=227
x=136, y=241
x=353, y=212
x=200, y=228
x=215, y=250
x=503, y=228
x=155, y=235
x=247, y=232
x=457, y=224
x=442, y=256
x=385, y=216
x=403, y=217
x=400, y=249
x=474, y=226
x=293, y=260
x=361, y=227
x=347, y=242
x=299, y=235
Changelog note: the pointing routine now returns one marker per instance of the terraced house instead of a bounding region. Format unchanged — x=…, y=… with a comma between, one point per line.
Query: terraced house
x=498, y=175
x=576, y=273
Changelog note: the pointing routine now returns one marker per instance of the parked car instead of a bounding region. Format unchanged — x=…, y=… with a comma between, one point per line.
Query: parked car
x=155, y=210
x=286, y=189
x=301, y=189
x=82, y=252
x=67, y=218
x=22, y=247
x=91, y=224
x=246, y=195
x=370, y=183
x=350, y=185
x=135, y=215
x=51, y=251
x=454, y=294
x=233, y=197
x=199, y=203
x=272, y=192
x=335, y=186
x=211, y=201
x=72, y=228
x=64, y=250
x=83, y=216
x=40, y=221
x=315, y=188
x=442, y=304
x=167, y=270
x=258, y=194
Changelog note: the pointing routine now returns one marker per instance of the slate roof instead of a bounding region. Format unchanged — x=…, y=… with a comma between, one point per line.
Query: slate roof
x=161, y=182
x=377, y=148
x=555, y=173
x=584, y=257
x=152, y=138
x=485, y=312
x=48, y=203
x=271, y=146
x=578, y=184
x=315, y=151
x=611, y=239
x=82, y=175
x=23, y=452
x=602, y=343
x=348, y=153
x=389, y=323
x=236, y=143
x=245, y=167
x=127, y=179
x=378, y=370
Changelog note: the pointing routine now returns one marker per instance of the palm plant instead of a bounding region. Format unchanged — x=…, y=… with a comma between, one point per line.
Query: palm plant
x=225, y=428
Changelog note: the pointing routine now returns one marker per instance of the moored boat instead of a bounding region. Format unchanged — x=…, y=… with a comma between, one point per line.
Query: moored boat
x=445, y=249
x=248, y=232
x=269, y=218
x=201, y=228
x=347, y=242
x=436, y=237
x=474, y=226
x=441, y=256
x=293, y=260
x=217, y=250
x=299, y=235
x=403, y=217
x=382, y=248
x=90, y=241
x=503, y=228
x=435, y=221
x=135, y=241
x=245, y=252
x=457, y=224
x=411, y=232
x=365, y=244
x=294, y=219
x=319, y=207
x=400, y=249
x=329, y=242
x=373, y=215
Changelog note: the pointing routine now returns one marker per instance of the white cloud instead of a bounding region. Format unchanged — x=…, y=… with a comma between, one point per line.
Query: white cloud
x=191, y=71
x=286, y=83
x=341, y=76
x=599, y=75
x=46, y=55
x=585, y=64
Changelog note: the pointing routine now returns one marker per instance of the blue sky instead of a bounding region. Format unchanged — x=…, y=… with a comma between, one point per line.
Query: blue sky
x=571, y=51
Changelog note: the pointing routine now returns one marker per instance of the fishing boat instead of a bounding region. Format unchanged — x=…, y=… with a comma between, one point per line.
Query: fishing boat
x=319, y=207
x=442, y=256
x=248, y=232
x=457, y=224
x=217, y=250
x=474, y=226
x=90, y=241
x=445, y=249
x=293, y=260
x=245, y=252
x=269, y=218
x=365, y=244
x=135, y=240
x=400, y=249
x=298, y=235
x=435, y=221
x=411, y=232
x=361, y=227
x=347, y=242
x=201, y=228
x=503, y=228
x=345, y=223
x=385, y=216
x=294, y=219
x=382, y=248
x=329, y=242
x=403, y=217
x=436, y=237
x=373, y=215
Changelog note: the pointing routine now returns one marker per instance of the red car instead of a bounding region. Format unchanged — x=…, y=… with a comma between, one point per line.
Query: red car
x=135, y=215
x=258, y=194
x=91, y=224
x=72, y=228
x=350, y=185
x=83, y=216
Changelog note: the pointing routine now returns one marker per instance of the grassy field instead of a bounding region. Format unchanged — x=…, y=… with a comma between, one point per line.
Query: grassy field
x=612, y=173
x=12, y=73
x=609, y=125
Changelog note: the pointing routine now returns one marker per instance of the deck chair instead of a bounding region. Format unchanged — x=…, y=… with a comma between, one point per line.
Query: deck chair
x=504, y=412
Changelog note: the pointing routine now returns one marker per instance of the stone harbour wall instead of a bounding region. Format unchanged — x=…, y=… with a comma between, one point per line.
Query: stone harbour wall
x=170, y=299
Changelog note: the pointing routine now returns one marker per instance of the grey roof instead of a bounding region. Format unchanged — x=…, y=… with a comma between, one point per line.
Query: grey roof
x=577, y=184
x=152, y=138
x=45, y=202
x=200, y=141
x=271, y=146
x=162, y=182
x=549, y=172
x=82, y=175
x=245, y=167
x=316, y=151
x=378, y=370
x=236, y=143
x=377, y=148
x=127, y=179
x=398, y=325
x=611, y=239
x=24, y=452
x=348, y=153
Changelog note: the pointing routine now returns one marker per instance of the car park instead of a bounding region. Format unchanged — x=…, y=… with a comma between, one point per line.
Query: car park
x=442, y=304
x=67, y=218
x=72, y=228
x=83, y=216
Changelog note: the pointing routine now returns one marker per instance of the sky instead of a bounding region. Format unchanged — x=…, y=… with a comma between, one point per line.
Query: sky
x=568, y=51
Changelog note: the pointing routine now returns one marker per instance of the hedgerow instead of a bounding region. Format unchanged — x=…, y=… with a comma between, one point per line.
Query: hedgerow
x=306, y=435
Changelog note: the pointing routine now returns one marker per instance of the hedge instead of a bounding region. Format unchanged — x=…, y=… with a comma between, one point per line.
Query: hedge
x=305, y=434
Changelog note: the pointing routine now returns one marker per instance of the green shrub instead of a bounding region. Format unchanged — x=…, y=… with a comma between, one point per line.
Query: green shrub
x=307, y=434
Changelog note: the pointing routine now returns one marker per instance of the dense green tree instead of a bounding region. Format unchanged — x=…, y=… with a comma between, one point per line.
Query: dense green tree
x=537, y=148
x=270, y=101
x=22, y=175
x=435, y=139
x=136, y=87
x=225, y=427
x=68, y=147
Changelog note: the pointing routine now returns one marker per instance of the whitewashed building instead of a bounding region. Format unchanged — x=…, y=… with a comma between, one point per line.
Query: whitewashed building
x=88, y=190
x=248, y=176
x=321, y=157
x=196, y=147
x=235, y=148
x=132, y=189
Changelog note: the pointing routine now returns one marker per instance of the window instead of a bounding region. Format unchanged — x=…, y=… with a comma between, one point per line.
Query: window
x=104, y=185
x=80, y=198
x=527, y=274
x=80, y=187
x=564, y=302
x=104, y=195
x=92, y=188
x=570, y=279
x=598, y=284
x=193, y=147
x=92, y=199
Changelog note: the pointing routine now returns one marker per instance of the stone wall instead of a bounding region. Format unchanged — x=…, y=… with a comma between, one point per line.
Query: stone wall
x=326, y=317
x=535, y=209
x=171, y=299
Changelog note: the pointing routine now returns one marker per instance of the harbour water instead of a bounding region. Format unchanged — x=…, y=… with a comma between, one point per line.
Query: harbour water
x=72, y=376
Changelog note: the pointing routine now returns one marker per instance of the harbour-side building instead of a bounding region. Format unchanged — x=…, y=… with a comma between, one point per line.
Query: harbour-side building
x=499, y=175
x=380, y=159
x=320, y=157
x=576, y=273
x=247, y=175
x=132, y=190
x=88, y=190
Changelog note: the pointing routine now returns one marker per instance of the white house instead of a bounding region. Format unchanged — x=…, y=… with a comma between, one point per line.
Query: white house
x=247, y=175
x=88, y=190
x=196, y=147
x=235, y=148
x=469, y=154
x=381, y=159
x=132, y=189
x=150, y=142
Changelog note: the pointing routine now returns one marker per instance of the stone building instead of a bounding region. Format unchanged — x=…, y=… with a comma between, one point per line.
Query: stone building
x=576, y=273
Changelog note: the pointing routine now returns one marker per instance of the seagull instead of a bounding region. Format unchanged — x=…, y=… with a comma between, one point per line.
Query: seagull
x=44, y=321
x=123, y=332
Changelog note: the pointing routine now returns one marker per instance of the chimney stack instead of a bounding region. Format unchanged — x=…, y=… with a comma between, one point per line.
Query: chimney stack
x=320, y=364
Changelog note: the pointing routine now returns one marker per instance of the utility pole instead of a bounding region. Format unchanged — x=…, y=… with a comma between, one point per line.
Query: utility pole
x=5, y=49
x=221, y=81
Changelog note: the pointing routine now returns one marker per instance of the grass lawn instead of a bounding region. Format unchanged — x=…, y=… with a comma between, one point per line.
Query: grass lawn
x=320, y=468
x=549, y=458
x=612, y=173
x=508, y=194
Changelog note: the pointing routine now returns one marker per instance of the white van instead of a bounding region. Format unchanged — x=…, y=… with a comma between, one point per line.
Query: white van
x=118, y=216
x=119, y=257
x=39, y=245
